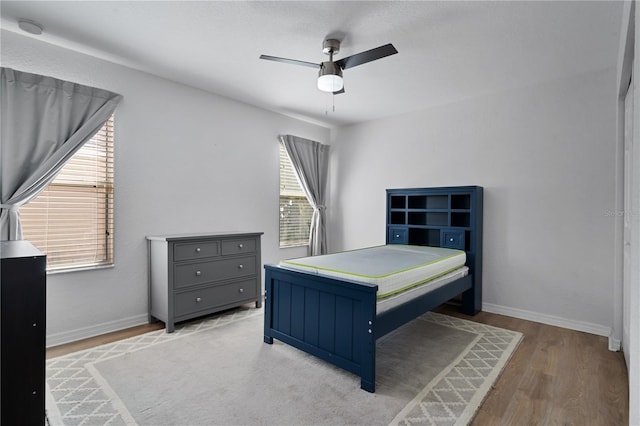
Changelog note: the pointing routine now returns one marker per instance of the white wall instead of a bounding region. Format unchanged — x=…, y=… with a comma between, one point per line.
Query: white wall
x=185, y=161
x=546, y=157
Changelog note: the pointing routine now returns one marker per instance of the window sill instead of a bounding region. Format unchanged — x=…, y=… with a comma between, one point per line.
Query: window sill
x=79, y=268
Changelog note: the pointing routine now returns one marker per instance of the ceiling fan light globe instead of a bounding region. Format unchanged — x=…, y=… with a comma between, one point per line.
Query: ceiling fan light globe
x=330, y=83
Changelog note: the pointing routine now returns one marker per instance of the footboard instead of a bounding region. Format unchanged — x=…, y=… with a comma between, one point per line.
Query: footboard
x=331, y=319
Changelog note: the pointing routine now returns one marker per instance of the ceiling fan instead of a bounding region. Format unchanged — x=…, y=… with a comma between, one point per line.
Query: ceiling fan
x=330, y=74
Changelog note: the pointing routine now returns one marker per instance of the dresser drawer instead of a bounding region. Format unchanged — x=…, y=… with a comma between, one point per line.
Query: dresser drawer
x=210, y=297
x=239, y=246
x=198, y=250
x=202, y=272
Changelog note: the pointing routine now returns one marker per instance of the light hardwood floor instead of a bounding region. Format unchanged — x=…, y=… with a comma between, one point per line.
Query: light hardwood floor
x=555, y=377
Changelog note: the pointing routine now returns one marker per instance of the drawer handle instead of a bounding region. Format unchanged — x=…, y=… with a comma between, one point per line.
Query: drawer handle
x=451, y=239
x=197, y=249
x=240, y=246
x=240, y=266
x=198, y=273
x=241, y=290
x=198, y=299
x=397, y=235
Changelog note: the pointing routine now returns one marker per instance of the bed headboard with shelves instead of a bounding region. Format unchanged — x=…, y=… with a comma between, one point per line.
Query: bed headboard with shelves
x=448, y=217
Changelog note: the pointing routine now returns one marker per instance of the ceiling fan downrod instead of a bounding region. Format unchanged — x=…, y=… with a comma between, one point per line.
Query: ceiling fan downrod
x=330, y=74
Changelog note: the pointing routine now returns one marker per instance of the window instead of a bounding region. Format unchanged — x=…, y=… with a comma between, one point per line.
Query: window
x=72, y=219
x=295, y=210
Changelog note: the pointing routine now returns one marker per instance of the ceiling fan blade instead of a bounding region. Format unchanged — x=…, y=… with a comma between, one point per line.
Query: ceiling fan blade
x=290, y=61
x=368, y=56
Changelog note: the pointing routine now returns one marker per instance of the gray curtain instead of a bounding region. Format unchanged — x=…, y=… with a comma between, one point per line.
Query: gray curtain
x=44, y=122
x=310, y=160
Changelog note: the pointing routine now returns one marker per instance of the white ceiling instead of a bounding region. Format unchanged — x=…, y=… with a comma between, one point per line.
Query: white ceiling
x=448, y=50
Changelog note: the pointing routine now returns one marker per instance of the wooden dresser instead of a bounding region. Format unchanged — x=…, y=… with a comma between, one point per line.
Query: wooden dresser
x=199, y=274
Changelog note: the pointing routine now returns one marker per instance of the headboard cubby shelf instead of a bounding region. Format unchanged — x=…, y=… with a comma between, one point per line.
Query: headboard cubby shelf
x=448, y=217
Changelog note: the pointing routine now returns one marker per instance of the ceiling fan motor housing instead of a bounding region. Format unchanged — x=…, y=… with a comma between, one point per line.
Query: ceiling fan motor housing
x=330, y=68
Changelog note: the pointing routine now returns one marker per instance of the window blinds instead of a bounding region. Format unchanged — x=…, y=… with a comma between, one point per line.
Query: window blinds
x=295, y=210
x=72, y=219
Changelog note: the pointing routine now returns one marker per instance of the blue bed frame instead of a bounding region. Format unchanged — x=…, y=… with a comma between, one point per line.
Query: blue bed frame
x=336, y=320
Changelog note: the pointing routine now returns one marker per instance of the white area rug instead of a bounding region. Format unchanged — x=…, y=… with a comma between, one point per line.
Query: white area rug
x=436, y=370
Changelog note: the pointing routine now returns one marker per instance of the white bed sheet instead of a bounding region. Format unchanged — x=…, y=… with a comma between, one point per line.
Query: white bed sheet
x=394, y=268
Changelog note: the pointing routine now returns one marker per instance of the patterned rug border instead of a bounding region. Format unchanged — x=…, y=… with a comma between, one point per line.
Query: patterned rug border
x=78, y=395
x=429, y=407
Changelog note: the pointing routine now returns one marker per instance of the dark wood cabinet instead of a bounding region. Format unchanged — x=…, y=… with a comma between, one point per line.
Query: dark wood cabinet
x=22, y=333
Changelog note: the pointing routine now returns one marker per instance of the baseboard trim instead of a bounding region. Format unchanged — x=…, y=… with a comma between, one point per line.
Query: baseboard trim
x=615, y=345
x=583, y=326
x=57, y=339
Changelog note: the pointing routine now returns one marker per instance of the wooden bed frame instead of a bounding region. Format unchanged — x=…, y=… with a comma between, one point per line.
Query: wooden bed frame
x=336, y=320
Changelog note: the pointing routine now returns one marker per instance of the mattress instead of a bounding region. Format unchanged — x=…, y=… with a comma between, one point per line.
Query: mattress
x=394, y=268
x=398, y=299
